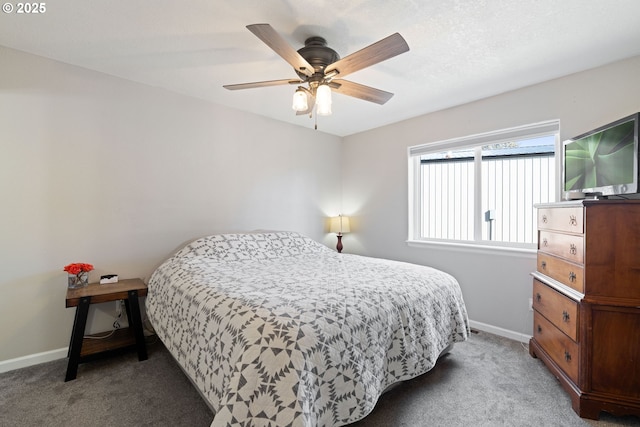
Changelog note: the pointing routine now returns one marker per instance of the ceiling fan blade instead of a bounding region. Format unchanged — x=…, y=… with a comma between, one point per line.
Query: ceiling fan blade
x=262, y=84
x=380, y=51
x=271, y=38
x=357, y=90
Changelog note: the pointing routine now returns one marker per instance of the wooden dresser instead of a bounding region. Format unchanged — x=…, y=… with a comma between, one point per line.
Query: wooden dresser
x=586, y=301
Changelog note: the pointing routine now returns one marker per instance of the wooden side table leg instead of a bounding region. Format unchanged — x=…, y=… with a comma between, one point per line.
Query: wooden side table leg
x=75, y=323
x=77, y=336
x=136, y=324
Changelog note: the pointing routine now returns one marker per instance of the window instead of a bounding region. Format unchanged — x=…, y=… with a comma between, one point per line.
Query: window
x=482, y=188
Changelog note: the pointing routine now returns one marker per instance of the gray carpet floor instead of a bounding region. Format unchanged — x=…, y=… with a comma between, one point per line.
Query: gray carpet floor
x=486, y=381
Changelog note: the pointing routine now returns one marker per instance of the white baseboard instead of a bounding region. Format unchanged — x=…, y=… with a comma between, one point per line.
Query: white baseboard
x=524, y=338
x=32, y=359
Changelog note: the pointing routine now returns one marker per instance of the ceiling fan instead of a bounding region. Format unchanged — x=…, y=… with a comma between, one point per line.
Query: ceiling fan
x=321, y=69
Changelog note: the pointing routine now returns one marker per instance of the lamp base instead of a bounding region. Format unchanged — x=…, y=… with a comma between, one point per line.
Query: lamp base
x=339, y=245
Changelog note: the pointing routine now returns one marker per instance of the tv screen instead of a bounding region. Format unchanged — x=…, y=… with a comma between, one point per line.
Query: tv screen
x=603, y=161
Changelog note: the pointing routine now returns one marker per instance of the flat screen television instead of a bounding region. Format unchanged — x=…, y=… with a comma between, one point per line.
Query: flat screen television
x=604, y=161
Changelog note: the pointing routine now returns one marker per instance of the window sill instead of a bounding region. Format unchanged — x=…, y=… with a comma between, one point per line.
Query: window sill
x=474, y=248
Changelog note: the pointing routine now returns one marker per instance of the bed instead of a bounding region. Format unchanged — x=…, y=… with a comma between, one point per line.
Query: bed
x=275, y=329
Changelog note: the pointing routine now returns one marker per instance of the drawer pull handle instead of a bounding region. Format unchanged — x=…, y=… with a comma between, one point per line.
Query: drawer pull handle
x=572, y=277
x=543, y=264
x=573, y=220
x=538, y=297
x=565, y=316
x=573, y=249
x=539, y=329
x=567, y=356
x=544, y=242
x=544, y=219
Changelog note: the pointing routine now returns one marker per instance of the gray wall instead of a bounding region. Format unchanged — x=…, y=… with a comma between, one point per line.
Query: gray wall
x=101, y=170
x=496, y=284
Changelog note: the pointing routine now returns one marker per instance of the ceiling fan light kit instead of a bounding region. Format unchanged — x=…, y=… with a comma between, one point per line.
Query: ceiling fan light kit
x=323, y=100
x=317, y=66
x=300, y=100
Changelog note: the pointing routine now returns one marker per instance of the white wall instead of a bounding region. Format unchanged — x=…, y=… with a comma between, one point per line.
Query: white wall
x=101, y=170
x=496, y=286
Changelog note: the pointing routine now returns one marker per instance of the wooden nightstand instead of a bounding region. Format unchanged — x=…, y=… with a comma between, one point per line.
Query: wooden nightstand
x=128, y=290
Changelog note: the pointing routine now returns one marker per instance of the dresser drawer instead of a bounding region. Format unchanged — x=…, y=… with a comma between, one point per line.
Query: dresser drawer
x=566, y=246
x=562, y=349
x=563, y=271
x=570, y=220
x=557, y=308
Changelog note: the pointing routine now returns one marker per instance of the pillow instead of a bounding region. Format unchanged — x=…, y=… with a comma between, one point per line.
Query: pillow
x=249, y=246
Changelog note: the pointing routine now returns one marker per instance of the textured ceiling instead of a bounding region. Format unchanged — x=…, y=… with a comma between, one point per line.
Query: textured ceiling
x=461, y=50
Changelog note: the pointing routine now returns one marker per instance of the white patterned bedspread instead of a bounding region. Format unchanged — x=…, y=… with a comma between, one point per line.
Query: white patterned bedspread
x=276, y=329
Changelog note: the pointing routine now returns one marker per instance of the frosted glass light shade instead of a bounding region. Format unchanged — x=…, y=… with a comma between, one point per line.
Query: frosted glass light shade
x=300, y=101
x=339, y=225
x=323, y=100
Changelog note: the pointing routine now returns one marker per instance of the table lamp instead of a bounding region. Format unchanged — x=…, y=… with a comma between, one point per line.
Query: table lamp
x=339, y=224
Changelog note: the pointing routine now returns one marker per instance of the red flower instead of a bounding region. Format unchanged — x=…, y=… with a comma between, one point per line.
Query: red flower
x=78, y=267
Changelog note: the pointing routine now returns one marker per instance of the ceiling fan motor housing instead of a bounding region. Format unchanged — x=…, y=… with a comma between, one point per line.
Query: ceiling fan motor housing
x=319, y=55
